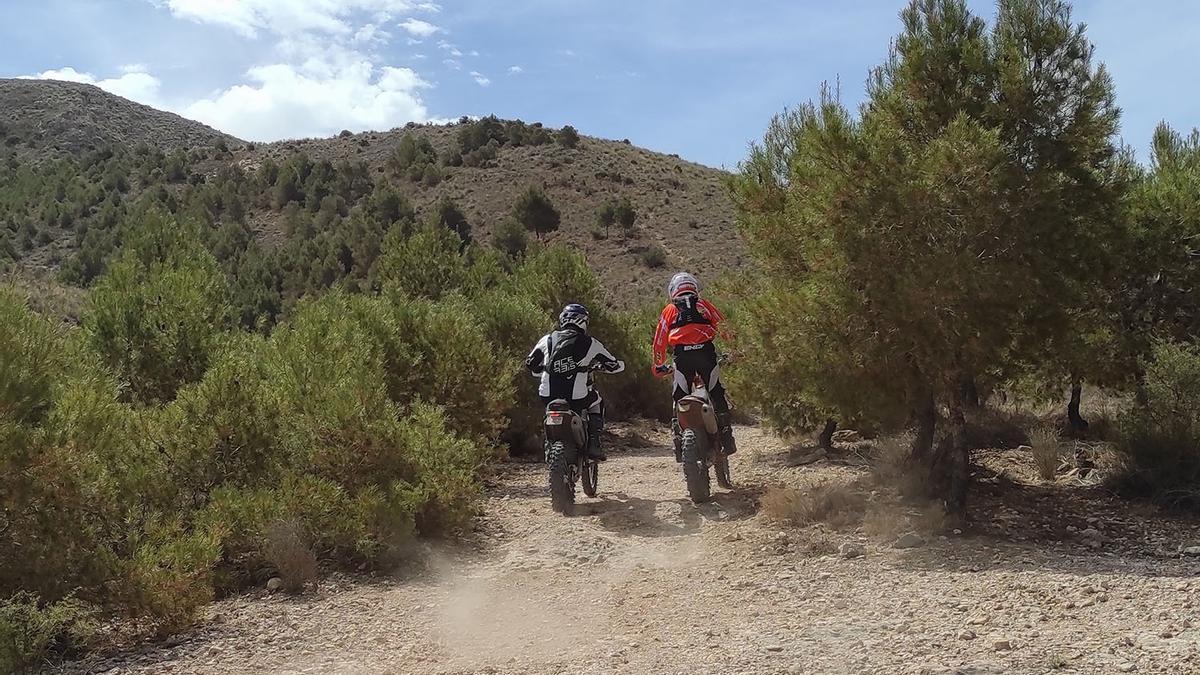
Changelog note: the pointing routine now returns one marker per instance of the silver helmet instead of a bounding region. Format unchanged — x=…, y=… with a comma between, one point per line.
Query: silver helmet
x=682, y=283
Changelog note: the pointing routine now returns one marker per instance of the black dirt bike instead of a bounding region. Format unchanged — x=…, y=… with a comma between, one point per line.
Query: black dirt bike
x=566, y=453
x=701, y=442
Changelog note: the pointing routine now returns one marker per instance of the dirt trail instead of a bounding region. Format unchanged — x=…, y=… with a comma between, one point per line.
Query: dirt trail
x=641, y=581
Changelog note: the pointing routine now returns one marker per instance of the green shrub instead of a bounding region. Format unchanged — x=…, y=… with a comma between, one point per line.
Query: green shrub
x=1160, y=437
x=29, y=358
x=31, y=630
x=654, y=257
x=510, y=238
x=156, y=316
x=567, y=137
x=428, y=264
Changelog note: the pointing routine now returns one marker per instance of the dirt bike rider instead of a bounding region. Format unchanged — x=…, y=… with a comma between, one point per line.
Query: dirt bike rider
x=563, y=360
x=688, y=325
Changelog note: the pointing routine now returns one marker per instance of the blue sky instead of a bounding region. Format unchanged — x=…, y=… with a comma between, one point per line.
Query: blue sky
x=700, y=78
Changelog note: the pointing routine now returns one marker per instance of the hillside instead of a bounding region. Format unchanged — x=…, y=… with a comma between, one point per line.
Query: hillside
x=682, y=207
x=41, y=118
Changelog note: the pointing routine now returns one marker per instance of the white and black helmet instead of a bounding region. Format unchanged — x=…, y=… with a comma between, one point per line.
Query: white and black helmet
x=682, y=283
x=574, y=314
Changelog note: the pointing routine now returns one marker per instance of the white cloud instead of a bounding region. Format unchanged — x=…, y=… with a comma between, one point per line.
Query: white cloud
x=480, y=78
x=431, y=7
x=318, y=98
x=133, y=84
x=515, y=70
x=283, y=17
x=451, y=63
x=453, y=49
x=418, y=28
x=325, y=75
x=370, y=34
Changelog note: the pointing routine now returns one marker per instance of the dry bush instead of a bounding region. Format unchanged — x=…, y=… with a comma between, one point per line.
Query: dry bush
x=1046, y=451
x=998, y=428
x=287, y=550
x=891, y=467
x=838, y=505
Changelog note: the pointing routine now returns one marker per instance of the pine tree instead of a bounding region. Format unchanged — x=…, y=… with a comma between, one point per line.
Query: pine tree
x=535, y=212
x=912, y=239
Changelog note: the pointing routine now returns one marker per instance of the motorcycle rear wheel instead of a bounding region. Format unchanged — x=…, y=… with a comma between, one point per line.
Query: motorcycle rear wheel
x=562, y=486
x=695, y=470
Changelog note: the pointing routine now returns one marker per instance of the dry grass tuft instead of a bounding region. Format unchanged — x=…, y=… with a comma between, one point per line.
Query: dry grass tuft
x=838, y=505
x=885, y=522
x=286, y=549
x=998, y=428
x=932, y=519
x=1047, y=453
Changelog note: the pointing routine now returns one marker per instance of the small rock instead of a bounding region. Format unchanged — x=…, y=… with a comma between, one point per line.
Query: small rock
x=850, y=550
x=909, y=540
x=1091, y=533
x=966, y=634
x=274, y=584
x=1127, y=667
x=1192, y=550
x=1166, y=634
x=1002, y=645
x=774, y=648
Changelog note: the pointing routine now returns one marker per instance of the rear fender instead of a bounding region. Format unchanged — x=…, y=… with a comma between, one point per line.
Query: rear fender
x=570, y=430
x=696, y=413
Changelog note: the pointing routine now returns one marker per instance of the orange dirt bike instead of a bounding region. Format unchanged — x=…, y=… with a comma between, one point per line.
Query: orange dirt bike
x=701, y=442
x=566, y=453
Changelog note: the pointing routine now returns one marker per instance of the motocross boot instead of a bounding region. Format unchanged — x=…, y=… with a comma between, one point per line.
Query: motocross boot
x=595, y=428
x=677, y=436
x=725, y=429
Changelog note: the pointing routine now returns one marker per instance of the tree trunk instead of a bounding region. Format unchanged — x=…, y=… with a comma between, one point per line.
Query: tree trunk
x=948, y=466
x=1076, y=420
x=826, y=437
x=926, y=419
x=970, y=391
x=959, y=459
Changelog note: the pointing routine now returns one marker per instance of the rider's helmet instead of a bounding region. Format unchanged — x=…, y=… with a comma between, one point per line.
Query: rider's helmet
x=681, y=284
x=574, y=314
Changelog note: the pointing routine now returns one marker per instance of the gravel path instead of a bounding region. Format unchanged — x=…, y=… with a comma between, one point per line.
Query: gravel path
x=641, y=581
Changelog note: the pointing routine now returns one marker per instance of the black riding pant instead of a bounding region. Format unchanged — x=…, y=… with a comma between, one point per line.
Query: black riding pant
x=700, y=360
x=592, y=405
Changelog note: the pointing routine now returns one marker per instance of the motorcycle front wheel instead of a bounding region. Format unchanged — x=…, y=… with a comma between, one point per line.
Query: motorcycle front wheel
x=590, y=477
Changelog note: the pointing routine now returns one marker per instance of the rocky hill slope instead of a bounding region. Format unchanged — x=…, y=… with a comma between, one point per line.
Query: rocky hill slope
x=46, y=118
x=685, y=217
